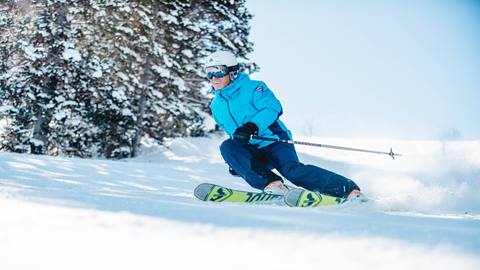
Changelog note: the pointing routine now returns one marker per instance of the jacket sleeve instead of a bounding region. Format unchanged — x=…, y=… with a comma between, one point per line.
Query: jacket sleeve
x=268, y=106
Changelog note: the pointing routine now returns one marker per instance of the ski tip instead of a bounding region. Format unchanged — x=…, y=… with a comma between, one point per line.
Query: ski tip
x=202, y=191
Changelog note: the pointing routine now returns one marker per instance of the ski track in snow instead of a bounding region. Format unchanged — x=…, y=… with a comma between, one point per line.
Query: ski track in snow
x=141, y=213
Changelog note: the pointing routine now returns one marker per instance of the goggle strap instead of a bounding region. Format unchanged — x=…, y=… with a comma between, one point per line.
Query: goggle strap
x=233, y=68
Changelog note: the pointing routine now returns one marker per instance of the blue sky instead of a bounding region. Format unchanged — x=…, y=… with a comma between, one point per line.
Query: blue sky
x=372, y=69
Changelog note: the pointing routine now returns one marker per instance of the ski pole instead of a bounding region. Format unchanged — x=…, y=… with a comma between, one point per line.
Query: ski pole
x=391, y=154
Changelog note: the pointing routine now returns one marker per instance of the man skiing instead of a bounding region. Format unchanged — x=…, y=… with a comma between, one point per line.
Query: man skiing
x=245, y=107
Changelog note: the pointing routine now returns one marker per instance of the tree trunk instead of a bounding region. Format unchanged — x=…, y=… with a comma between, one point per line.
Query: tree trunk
x=147, y=75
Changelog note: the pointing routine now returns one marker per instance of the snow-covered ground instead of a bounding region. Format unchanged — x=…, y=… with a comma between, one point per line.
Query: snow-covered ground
x=63, y=213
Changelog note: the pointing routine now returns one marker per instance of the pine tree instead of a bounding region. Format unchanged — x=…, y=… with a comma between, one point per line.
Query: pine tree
x=227, y=28
x=48, y=82
x=16, y=17
x=37, y=84
x=6, y=20
x=5, y=44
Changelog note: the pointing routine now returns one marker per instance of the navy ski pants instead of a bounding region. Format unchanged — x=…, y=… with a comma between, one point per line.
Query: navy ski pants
x=245, y=158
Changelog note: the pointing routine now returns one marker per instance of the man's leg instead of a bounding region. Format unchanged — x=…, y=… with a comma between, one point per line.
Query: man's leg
x=246, y=161
x=285, y=160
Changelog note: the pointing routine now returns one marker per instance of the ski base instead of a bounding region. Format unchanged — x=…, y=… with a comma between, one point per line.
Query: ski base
x=215, y=193
x=306, y=198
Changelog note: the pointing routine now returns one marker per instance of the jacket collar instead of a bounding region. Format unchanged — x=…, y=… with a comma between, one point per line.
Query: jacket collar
x=228, y=90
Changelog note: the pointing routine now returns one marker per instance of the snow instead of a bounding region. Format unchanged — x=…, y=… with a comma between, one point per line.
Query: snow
x=71, y=54
x=69, y=103
x=60, y=99
x=146, y=19
x=123, y=76
x=97, y=73
x=127, y=112
x=31, y=52
x=6, y=108
x=224, y=39
x=188, y=53
x=36, y=142
x=130, y=52
x=125, y=30
x=165, y=73
x=168, y=18
x=60, y=115
x=141, y=214
x=119, y=95
x=3, y=125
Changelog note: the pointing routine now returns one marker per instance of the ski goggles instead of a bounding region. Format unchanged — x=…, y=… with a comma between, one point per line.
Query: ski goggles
x=216, y=71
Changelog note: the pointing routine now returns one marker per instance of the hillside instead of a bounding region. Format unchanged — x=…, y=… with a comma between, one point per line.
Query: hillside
x=68, y=213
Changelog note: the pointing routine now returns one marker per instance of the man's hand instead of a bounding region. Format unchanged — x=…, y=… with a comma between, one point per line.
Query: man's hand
x=242, y=134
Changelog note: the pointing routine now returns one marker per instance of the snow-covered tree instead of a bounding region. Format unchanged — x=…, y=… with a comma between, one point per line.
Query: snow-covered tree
x=40, y=87
x=93, y=77
x=225, y=24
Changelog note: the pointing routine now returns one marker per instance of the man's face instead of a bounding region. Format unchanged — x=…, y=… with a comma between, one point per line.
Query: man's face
x=218, y=76
x=219, y=83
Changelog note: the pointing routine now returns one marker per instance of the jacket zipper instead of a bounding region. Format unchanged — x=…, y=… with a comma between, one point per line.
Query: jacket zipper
x=230, y=112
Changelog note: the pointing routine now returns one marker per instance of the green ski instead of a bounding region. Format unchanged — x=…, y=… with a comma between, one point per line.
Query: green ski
x=306, y=198
x=215, y=193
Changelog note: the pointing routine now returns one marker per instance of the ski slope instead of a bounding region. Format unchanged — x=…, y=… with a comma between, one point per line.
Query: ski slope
x=69, y=213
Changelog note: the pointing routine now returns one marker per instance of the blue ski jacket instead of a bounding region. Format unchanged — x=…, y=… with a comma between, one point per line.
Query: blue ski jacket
x=245, y=100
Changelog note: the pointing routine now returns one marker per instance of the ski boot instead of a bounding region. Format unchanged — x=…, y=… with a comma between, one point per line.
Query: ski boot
x=276, y=187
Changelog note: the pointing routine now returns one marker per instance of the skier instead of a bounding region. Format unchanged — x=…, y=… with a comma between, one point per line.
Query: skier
x=245, y=107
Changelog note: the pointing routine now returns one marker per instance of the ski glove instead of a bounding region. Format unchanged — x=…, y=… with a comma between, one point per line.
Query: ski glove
x=242, y=134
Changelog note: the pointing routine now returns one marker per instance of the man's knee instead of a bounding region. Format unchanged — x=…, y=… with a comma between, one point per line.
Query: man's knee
x=227, y=147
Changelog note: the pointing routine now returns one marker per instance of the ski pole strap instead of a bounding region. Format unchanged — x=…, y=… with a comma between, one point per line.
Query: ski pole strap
x=391, y=154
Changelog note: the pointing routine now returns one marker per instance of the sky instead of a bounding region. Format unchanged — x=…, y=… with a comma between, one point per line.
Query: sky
x=372, y=69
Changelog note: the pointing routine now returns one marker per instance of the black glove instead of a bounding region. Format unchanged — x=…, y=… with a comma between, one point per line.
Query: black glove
x=242, y=134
